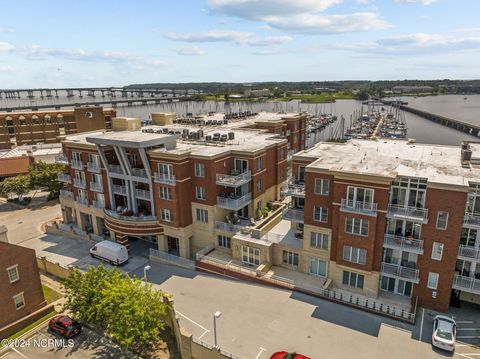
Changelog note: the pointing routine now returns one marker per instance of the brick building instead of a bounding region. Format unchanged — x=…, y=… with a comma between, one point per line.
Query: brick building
x=183, y=186
x=21, y=292
x=33, y=127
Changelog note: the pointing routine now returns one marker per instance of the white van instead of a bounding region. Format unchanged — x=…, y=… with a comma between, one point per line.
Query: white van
x=109, y=251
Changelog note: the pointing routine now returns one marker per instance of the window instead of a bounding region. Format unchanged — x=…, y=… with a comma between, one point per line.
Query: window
x=77, y=156
x=259, y=163
x=259, y=185
x=282, y=172
x=355, y=255
x=202, y=215
x=322, y=186
x=165, y=170
x=165, y=193
x=13, y=273
x=19, y=301
x=319, y=240
x=356, y=226
x=290, y=258
x=200, y=192
x=437, y=251
x=442, y=220
x=166, y=215
x=353, y=279
x=320, y=214
x=432, y=280
x=282, y=153
x=97, y=179
x=199, y=170
x=224, y=241
x=318, y=267
x=94, y=159
x=363, y=196
x=250, y=255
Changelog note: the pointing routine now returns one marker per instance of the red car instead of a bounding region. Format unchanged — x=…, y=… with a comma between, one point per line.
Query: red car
x=286, y=355
x=65, y=326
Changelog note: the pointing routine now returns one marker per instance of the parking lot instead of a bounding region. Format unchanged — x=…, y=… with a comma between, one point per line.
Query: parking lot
x=41, y=344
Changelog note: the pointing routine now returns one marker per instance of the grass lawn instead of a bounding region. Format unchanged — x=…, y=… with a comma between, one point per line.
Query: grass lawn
x=33, y=325
x=50, y=294
x=324, y=97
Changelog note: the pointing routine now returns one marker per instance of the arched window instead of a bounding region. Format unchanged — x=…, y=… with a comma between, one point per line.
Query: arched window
x=9, y=121
x=60, y=119
x=22, y=120
x=48, y=119
x=35, y=120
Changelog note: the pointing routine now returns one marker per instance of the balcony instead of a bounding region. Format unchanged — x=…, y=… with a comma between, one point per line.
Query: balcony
x=96, y=187
x=66, y=194
x=471, y=219
x=82, y=201
x=142, y=194
x=294, y=214
x=367, y=208
x=98, y=204
x=466, y=284
x=234, y=203
x=115, y=169
x=468, y=253
x=405, y=273
x=165, y=178
x=296, y=190
x=228, y=227
x=403, y=243
x=63, y=177
x=118, y=189
x=132, y=218
x=139, y=172
x=93, y=167
x=417, y=214
x=76, y=164
x=61, y=159
x=233, y=180
x=79, y=183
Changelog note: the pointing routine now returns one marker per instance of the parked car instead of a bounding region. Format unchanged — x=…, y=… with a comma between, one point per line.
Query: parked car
x=110, y=251
x=287, y=355
x=444, y=333
x=65, y=326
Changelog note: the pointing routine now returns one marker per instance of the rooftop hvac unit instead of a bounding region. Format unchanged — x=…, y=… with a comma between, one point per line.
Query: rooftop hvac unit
x=150, y=130
x=231, y=136
x=216, y=139
x=178, y=132
x=208, y=123
x=208, y=138
x=165, y=130
x=171, y=132
x=216, y=134
x=144, y=130
x=158, y=131
x=200, y=133
x=223, y=139
x=225, y=122
x=184, y=135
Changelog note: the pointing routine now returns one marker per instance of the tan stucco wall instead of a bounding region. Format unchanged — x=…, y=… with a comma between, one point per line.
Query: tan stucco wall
x=370, y=285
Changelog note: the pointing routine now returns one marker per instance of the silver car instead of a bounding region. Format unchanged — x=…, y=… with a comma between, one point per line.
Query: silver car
x=444, y=333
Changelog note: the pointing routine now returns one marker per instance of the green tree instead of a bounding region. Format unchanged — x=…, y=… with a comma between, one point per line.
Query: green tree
x=131, y=312
x=44, y=175
x=19, y=185
x=362, y=95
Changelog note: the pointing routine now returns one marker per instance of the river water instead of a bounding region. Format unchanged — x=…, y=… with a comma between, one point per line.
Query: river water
x=463, y=108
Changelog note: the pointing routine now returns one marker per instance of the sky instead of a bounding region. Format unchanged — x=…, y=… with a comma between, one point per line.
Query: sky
x=58, y=43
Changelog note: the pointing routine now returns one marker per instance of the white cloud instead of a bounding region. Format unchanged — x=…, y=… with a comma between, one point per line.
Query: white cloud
x=237, y=37
x=362, y=2
x=422, y=2
x=7, y=68
x=299, y=15
x=6, y=47
x=36, y=52
x=189, y=51
x=5, y=30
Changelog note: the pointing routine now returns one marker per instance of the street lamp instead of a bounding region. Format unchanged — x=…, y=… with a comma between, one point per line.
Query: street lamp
x=147, y=267
x=215, y=317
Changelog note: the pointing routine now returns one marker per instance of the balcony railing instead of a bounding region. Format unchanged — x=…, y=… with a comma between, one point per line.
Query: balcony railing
x=368, y=208
x=98, y=204
x=76, y=164
x=129, y=218
x=228, y=227
x=63, y=177
x=93, y=167
x=411, y=213
x=468, y=253
x=296, y=190
x=67, y=194
x=79, y=183
x=471, y=219
x=97, y=187
x=406, y=273
x=118, y=189
x=234, y=203
x=403, y=243
x=294, y=215
x=234, y=180
x=142, y=194
x=61, y=159
x=467, y=284
x=139, y=172
x=115, y=169
x=82, y=200
x=165, y=178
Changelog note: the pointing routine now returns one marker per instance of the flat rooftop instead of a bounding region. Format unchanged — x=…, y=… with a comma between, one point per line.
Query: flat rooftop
x=33, y=150
x=132, y=139
x=392, y=158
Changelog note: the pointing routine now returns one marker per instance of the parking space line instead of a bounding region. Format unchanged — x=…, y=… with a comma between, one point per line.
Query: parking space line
x=5, y=355
x=205, y=332
x=421, y=325
x=468, y=337
x=16, y=351
x=261, y=352
x=190, y=320
x=464, y=321
x=468, y=329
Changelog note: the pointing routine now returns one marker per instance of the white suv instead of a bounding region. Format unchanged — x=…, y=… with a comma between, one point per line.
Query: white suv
x=444, y=332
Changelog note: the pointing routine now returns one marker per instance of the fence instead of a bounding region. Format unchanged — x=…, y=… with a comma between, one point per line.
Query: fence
x=53, y=268
x=204, y=251
x=160, y=256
